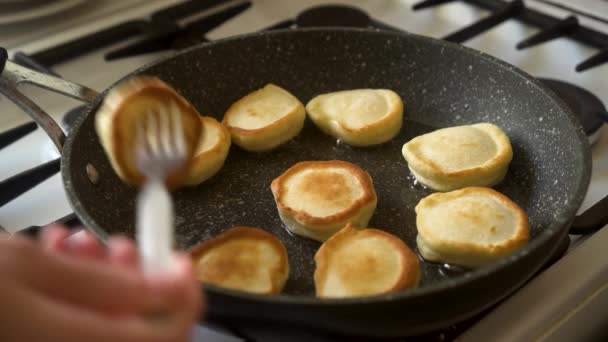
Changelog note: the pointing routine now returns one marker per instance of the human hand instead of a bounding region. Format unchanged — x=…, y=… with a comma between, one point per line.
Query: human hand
x=61, y=289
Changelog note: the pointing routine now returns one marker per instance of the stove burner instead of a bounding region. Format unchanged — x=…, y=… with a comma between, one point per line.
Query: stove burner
x=333, y=15
x=69, y=118
x=586, y=106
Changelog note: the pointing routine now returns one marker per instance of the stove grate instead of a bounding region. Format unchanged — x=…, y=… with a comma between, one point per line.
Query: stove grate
x=550, y=27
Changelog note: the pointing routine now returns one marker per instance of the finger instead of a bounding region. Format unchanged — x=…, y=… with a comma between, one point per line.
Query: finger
x=98, y=285
x=82, y=287
x=178, y=290
x=83, y=244
x=53, y=237
x=121, y=251
x=194, y=301
x=190, y=284
x=83, y=282
x=55, y=321
x=178, y=294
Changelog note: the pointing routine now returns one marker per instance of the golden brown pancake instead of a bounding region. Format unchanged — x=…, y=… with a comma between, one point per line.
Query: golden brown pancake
x=243, y=258
x=457, y=157
x=265, y=118
x=470, y=227
x=315, y=199
x=360, y=117
x=364, y=262
x=121, y=112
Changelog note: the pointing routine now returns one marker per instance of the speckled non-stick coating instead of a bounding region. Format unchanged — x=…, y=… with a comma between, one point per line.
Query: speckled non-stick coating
x=441, y=85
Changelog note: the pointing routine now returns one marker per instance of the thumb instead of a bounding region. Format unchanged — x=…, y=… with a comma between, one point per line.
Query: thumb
x=175, y=292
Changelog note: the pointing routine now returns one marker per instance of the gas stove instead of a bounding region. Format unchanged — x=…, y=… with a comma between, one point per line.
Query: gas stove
x=96, y=42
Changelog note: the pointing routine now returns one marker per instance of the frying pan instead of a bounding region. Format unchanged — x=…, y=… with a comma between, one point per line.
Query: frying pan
x=442, y=84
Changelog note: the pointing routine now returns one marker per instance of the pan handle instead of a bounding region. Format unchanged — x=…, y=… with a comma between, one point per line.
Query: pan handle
x=592, y=219
x=12, y=74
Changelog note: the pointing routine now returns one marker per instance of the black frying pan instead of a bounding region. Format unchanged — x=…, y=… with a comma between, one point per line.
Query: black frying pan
x=442, y=84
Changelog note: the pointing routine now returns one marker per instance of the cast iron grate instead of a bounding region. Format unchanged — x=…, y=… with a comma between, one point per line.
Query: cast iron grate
x=550, y=27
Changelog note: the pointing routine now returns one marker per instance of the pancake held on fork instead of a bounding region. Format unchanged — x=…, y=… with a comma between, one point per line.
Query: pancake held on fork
x=123, y=110
x=265, y=119
x=360, y=117
x=315, y=199
x=456, y=157
x=363, y=262
x=243, y=258
x=470, y=227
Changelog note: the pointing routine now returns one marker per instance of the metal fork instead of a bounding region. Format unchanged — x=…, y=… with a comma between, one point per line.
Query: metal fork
x=160, y=149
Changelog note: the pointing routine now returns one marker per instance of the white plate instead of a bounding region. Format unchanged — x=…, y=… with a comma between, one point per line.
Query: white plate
x=43, y=9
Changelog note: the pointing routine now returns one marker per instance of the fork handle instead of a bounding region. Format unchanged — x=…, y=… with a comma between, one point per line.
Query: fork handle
x=154, y=224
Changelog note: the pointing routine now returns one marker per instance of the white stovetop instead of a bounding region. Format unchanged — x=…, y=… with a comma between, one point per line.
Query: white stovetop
x=47, y=202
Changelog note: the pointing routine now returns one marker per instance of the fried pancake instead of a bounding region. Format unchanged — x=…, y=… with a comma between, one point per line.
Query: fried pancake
x=457, y=157
x=243, y=258
x=265, y=119
x=121, y=112
x=470, y=227
x=211, y=152
x=364, y=262
x=315, y=199
x=360, y=117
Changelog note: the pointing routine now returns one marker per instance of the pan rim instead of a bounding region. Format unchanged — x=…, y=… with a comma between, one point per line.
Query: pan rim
x=556, y=227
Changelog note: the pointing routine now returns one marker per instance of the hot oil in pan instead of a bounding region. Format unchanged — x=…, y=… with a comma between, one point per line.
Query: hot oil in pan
x=240, y=195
